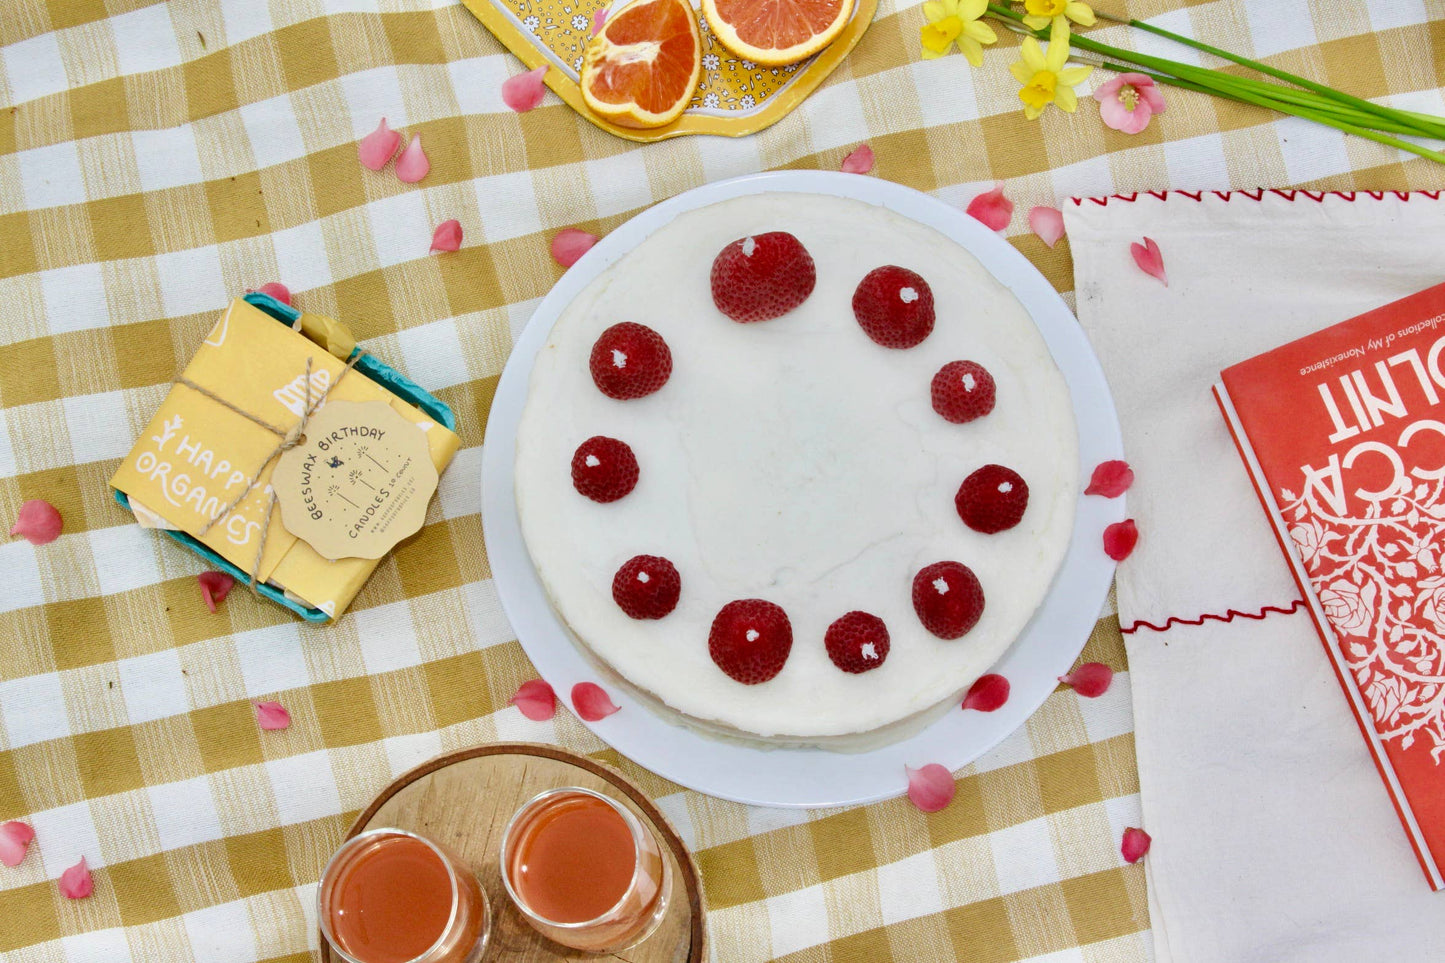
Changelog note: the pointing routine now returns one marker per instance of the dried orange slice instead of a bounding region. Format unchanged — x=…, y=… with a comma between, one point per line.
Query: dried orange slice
x=776, y=32
x=642, y=68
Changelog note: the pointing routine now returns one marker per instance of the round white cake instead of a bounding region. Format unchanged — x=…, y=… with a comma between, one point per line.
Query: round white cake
x=795, y=460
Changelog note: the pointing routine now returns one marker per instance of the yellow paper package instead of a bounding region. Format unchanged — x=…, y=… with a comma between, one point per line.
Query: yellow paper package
x=205, y=462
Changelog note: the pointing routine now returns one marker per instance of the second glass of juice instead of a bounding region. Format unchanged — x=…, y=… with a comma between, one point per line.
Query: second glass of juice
x=584, y=871
x=391, y=896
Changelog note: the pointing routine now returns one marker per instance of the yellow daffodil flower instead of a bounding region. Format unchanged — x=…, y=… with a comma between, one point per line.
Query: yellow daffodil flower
x=1045, y=78
x=1041, y=13
x=953, y=22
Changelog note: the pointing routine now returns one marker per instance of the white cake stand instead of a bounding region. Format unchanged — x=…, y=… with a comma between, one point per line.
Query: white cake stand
x=813, y=777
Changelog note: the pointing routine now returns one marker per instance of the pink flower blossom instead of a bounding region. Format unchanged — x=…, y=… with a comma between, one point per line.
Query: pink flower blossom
x=377, y=148
x=1150, y=259
x=992, y=208
x=1128, y=101
x=523, y=92
x=930, y=787
x=447, y=236
x=1047, y=223
x=75, y=882
x=592, y=702
x=860, y=161
x=413, y=165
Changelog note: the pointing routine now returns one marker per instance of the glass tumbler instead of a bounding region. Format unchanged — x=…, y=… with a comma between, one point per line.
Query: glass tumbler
x=584, y=871
x=392, y=896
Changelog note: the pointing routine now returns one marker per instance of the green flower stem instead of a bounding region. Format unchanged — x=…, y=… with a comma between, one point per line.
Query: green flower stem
x=1390, y=119
x=1430, y=130
x=1317, y=116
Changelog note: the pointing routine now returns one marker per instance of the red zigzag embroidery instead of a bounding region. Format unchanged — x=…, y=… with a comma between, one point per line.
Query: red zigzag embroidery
x=1229, y=616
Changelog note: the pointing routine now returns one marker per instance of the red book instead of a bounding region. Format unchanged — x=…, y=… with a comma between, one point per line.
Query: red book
x=1343, y=433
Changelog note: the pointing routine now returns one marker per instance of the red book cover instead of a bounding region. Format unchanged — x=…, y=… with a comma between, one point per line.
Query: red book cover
x=1343, y=433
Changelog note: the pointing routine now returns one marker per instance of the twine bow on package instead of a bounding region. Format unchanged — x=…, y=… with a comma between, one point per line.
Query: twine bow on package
x=289, y=457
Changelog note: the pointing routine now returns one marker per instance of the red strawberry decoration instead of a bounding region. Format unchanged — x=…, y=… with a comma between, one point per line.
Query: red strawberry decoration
x=963, y=391
x=894, y=306
x=630, y=360
x=947, y=598
x=646, y=587
x=762, y=277
x=857, y=642
x=750, y=640
x=992, y=499
x=604, y=469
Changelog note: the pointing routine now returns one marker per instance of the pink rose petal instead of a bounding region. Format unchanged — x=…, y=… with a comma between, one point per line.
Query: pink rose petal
x=992, y=208
x=447, y=236
x=591, y=702
x=1047, y=223
x=15, y=839
x=1120, y=539
x=39, y=522
x=930, y=788
x=1091, y=680
x=272, y=715
x=860, y=161
x=1149, y=259
x=987, y=693
x=75, y=882
x=215, y=586
x=1111, y=479
x=277, y=290
x=378, y=147
x=536, y=700
x=412, y=166
x=1135, y=845
x=570, y=244
x=523, y=92
x=599, y=17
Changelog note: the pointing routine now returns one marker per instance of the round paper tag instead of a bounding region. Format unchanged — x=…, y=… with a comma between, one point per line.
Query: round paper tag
x=358, y=483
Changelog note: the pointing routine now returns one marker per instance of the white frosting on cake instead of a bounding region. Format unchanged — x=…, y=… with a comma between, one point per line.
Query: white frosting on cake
x=795, y=460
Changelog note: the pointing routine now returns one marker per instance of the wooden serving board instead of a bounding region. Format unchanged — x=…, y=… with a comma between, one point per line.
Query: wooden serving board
x=463, y=801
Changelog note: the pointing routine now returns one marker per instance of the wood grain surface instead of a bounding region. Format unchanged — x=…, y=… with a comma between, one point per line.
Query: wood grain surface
x=463, y=801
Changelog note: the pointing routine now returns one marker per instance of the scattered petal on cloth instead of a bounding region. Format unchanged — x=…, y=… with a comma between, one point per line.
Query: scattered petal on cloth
x=524, y=92
x=860, y=161
x=276, y=290
x=75, y=882
x=930, y=787
x=447, y=236
x=215, y=586
x=591, y=702
x=1128, y=101
x=1047, y=223
x=413, y=165
x=1120, y=539
x=272, y=715
x=1091, y=680
x=15, y=839
x=992, y=208
x=987, y=693
x=1111, y=479
x=536, y=700
x=377, y=148
x=1149, y=259
x=39, y=522
x=570, y=244
x=1135, y=845
x=599, y=17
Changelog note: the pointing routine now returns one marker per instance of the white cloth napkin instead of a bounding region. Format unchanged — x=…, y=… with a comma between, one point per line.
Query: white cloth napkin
x=1274, y=838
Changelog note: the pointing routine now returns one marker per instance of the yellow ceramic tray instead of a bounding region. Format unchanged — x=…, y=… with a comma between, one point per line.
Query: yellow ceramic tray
x=734, y=97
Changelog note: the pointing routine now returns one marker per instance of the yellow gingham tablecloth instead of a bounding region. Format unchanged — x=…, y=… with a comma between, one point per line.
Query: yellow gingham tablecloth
x=158, y=158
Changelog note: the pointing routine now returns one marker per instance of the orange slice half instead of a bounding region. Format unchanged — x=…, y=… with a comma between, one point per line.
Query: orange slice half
x=776, y=32
x=643, y=67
